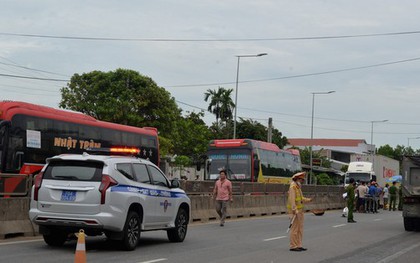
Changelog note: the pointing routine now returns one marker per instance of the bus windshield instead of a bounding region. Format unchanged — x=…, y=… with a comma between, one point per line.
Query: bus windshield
x=237, y=163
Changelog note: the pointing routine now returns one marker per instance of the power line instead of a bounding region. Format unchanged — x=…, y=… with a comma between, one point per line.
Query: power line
x=35, y=78
x=32, y=69
x=32, y=89
x=301, y=75
x=28, y=93
x=301, y=116
x=192, y=106
x=208, y=40
x=246, y=81
x=347, y=131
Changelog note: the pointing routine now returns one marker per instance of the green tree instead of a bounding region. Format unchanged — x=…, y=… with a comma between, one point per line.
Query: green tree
x=181, y=162
x=254, y=130
x=324, y=179
x=191, y=136
x=122, y=96
x=251, y=129
x=386, y=150
x=305, y=157
x=278, y=138
x=221, y=103
x=166, y=146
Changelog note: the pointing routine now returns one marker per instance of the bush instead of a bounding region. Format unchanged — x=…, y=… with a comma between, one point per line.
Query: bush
x=324, y=179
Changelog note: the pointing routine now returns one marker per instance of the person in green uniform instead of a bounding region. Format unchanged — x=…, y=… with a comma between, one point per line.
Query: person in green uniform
x=393, y=196
x=350, y=201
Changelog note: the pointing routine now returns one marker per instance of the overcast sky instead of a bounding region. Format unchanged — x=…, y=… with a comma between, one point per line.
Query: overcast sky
x=368, y=52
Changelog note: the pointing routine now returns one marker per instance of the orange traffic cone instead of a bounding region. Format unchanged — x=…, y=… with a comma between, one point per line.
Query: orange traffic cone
x=80, y=256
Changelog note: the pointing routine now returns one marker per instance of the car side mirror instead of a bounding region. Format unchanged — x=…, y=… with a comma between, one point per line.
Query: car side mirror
x=175, y=183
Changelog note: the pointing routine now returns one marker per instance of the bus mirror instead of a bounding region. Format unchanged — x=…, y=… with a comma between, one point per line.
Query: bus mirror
x=256, y=165
x=19, y=160
x=208, y=164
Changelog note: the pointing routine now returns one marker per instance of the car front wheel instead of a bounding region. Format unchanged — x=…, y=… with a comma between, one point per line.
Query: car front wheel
x=179, y=233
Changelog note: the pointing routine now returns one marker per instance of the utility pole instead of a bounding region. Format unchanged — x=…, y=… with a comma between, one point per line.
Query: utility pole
x=270, y=130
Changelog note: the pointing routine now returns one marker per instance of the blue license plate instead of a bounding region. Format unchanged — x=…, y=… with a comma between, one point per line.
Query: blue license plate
x=69, y=196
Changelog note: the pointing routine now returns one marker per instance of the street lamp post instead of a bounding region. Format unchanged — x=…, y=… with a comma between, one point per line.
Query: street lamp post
x=236, y=91
x=312, y=127
x=408, y=140
x=373, y=152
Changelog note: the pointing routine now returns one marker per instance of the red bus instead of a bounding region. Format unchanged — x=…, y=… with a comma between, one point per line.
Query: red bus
x=251, y=161
x=31, y=133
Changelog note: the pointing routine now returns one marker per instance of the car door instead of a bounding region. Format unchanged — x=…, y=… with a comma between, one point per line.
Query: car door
x=148, y=192
x=167, y=208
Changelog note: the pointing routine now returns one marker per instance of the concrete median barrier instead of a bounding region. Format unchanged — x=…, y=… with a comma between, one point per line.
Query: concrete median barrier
x=14, y=217
x=257, y=200
x=261, y=204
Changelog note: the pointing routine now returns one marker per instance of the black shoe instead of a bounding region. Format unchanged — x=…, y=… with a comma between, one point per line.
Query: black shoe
x=302, y=248
x=295, y=249
x=351, y=221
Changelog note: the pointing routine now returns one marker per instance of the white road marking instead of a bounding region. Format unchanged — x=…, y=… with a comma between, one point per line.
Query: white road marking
x=154, y=260
x=20, y=242
x=339, y=225
x=274, y=238
x=378, y=219
x=396, y=255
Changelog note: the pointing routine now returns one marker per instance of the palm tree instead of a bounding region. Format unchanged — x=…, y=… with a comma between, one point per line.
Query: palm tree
x=227, y=105
x=220, y=104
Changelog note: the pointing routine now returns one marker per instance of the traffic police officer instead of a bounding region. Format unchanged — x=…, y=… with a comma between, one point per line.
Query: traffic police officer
x=350, y=201
x=295, y=210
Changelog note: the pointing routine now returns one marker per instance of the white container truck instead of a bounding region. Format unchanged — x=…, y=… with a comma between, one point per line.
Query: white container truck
x=360, y=171
x=383, y=167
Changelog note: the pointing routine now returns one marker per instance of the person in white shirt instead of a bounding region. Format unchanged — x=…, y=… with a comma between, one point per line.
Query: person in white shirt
x=362, y=190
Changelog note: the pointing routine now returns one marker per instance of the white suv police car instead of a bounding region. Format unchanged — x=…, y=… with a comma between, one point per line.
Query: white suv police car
x=113, y=195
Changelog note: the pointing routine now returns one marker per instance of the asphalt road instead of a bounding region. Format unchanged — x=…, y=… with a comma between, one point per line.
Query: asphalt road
x=329, y=238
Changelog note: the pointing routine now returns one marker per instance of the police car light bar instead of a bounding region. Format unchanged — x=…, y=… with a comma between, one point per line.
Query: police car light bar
x=115, y=151
x=125, y=150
